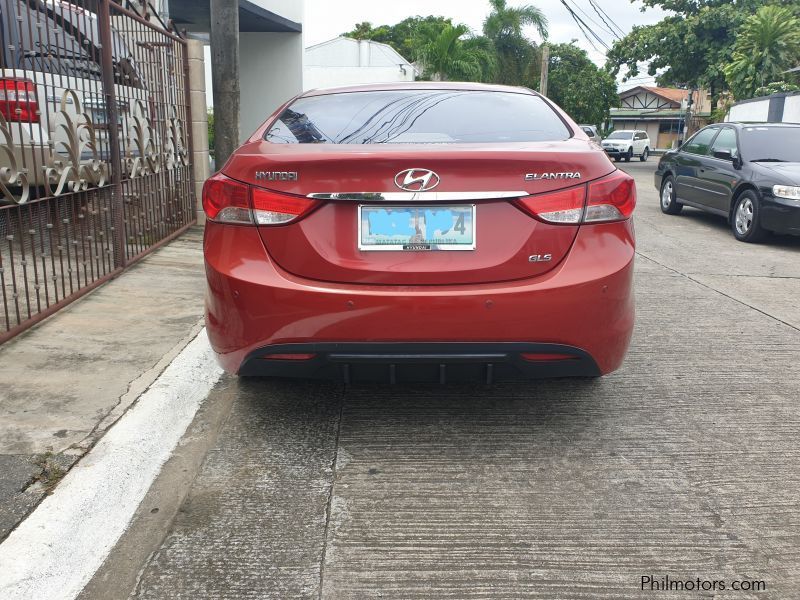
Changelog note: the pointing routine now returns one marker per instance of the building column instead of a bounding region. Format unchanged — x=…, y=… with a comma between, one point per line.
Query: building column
x=199, y=124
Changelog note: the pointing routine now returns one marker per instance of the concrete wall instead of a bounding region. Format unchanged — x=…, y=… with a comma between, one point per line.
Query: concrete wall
x=791, y=109
x=270, y=73
x=344, y=61
x=199, y=124
x=325, y=77
x=757, y=111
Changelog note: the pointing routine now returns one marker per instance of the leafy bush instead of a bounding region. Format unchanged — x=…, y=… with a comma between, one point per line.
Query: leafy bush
x=776, y=87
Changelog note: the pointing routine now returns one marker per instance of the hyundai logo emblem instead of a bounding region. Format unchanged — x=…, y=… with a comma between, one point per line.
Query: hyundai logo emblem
x=416, y=180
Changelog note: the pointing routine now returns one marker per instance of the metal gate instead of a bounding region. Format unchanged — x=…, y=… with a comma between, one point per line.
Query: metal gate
x=94, y=149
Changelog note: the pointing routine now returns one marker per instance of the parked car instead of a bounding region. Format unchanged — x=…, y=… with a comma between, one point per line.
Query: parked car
x=627, y=143
x=747, y=173
x=50, y=62
x=592, y=132
x=421, y=231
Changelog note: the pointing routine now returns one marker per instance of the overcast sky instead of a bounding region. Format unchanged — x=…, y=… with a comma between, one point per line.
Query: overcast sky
x=325, y=19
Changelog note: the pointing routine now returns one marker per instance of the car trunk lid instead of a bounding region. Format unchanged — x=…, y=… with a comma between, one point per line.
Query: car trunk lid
x=509, y=243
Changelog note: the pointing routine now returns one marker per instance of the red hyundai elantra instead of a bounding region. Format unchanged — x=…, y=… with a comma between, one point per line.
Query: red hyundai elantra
x=419, y=232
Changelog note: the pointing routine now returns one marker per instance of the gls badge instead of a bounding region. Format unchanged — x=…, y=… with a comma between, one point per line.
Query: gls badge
x=540, y=257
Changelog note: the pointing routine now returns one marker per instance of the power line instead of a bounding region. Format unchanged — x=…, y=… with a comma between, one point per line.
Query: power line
x=602, y=13
x=585, y=28
x=605, y=29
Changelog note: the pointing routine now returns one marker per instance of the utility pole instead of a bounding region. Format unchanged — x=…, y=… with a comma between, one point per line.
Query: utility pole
x=687, y=119
x=225, y=77
x=545, y=69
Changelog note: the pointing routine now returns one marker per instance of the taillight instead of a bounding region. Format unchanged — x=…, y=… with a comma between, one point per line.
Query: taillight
x=18, y=100
x=226, y=200
x=611, y=198
x=272, y=208
x=563, y=206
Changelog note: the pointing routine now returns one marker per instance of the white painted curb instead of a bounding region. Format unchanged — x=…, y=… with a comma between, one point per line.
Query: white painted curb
x=55, y=552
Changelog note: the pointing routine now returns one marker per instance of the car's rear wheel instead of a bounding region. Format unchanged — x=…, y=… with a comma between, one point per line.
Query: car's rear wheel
x=644, y=155
x=746, y=221
x=669, y=202
x=629, y=155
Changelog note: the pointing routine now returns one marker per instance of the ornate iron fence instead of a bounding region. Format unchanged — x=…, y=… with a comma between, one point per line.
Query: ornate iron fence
x=94, y=149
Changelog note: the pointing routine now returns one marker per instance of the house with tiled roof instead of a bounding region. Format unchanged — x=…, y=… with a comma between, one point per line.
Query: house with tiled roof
x=661, y=112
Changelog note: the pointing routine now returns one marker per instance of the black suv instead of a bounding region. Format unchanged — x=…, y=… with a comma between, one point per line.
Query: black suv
x=746, y=172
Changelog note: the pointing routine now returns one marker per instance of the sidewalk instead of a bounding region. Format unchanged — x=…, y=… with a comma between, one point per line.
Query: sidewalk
x=67, y=380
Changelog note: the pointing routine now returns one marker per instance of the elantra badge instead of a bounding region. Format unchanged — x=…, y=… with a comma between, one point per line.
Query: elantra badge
x=540, y=176
x=416, y=180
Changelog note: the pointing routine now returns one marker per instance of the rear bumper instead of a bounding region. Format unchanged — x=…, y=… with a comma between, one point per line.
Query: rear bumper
x=398, y=362
x=584, y=304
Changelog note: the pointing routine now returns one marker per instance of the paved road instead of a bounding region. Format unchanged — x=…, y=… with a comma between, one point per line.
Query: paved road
x=683, y=464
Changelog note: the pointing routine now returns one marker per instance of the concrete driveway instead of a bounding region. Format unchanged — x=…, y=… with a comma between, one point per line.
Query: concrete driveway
x=682, y=466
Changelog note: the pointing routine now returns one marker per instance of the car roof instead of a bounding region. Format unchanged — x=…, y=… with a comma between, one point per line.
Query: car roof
x=740, y=124
x=420, y=85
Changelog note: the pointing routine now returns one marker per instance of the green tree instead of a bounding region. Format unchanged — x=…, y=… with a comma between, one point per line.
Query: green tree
x=517, y=57
x=690, y=47
x=452, y=56
x=509, y=21
x=577, y=85
x=767, y=45
x=407, y=37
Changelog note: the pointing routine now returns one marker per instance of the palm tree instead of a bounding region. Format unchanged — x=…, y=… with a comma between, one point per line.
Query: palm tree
x=515, y=53
x=505, y=21
x=767, y=45
x=448, y=56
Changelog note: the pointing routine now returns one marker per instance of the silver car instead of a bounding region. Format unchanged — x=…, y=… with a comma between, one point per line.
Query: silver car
x=591, y=131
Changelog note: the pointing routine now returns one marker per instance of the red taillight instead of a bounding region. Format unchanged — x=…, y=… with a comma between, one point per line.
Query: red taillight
x=272, y=208
x=563, y=206
x=18, y=100
x=611, y=198
x=226, y=200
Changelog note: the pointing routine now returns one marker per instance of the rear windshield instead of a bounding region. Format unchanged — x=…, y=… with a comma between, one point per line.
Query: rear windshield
x=771, y=144
x=417, y=117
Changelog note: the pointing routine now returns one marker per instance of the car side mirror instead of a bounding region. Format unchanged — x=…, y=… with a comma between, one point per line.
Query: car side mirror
x=723, y=154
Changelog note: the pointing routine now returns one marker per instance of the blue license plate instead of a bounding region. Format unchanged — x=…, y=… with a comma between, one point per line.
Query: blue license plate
x=416, y=228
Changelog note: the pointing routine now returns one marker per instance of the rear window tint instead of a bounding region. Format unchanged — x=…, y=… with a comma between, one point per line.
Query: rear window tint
x=417, y=117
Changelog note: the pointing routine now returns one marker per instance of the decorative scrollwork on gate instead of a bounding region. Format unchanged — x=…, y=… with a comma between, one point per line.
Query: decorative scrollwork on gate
x=141, y=156
x=175, y=151
x=11, y=176
x=74, y=164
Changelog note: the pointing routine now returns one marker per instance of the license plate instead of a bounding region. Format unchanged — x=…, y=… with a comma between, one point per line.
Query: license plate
x=416, y=228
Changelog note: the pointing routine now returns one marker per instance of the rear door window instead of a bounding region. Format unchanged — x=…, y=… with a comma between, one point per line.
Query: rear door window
x=418, y=117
